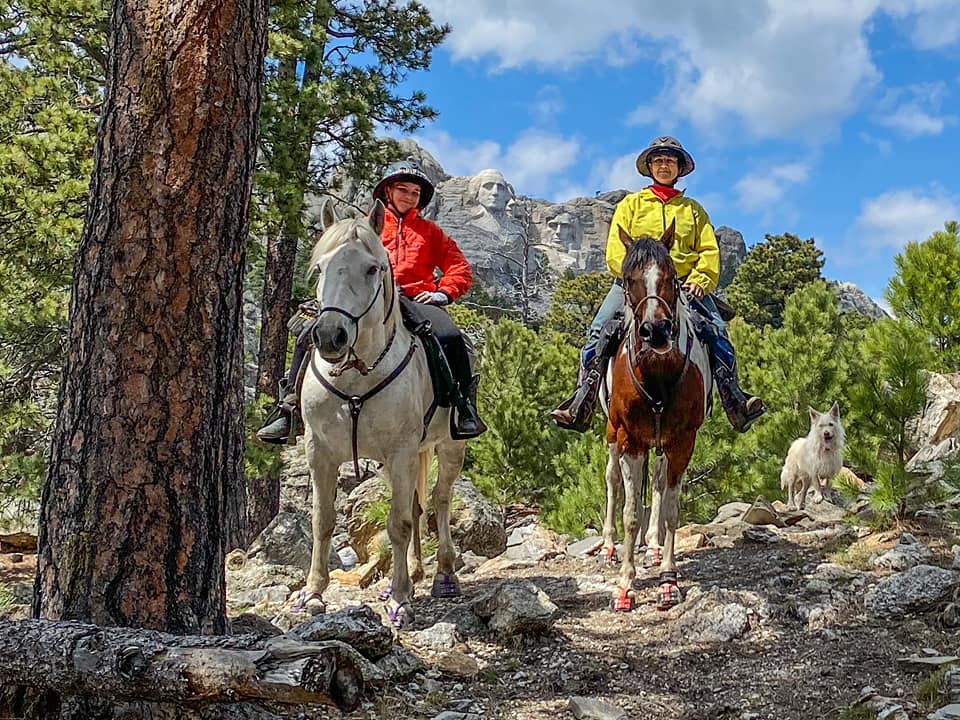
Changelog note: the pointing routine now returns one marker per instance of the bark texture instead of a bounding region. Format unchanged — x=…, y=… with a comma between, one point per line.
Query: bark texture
x=145, y=489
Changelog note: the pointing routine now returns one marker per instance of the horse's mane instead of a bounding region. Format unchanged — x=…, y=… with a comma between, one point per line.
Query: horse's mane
x=343, y=232
x=643, y=251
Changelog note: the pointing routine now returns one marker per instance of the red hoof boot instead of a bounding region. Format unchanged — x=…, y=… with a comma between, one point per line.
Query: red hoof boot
x=653, y=557
x=610, y=556
x=622, y=600
x=668, y=595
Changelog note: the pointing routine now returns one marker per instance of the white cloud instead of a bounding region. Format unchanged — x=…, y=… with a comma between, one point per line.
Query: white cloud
x=547, y=104
x=531, y=163
x=884, y=147
x=760, y=191
x=618, y=174
x=915, y=110
x=761, y=62
x=931, y=24
x=900, y=216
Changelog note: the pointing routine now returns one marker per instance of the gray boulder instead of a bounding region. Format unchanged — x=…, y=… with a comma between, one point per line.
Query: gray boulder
x=919, y=588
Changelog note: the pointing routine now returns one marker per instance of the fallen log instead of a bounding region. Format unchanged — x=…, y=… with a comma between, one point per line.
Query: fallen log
x=73, y=658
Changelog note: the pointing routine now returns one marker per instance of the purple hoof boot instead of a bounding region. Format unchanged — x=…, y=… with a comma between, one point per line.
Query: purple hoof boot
x=309, y=602
x=445, y=585
x=401, y=615
x=384, y=594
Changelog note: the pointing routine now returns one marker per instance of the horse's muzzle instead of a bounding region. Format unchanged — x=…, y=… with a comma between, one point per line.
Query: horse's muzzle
x=655, y=334
x=332, y=338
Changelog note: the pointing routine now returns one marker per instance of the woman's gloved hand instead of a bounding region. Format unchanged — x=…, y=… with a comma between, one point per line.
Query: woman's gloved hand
x=432, y=298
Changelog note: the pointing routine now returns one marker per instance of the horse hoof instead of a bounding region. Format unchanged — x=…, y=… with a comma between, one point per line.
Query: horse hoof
x=653, y=557
x=310, y=603
x=401, y=615
x=668, y=595
x=622, y=601
x=385, y=594
x=445, y=585
x=610, y=558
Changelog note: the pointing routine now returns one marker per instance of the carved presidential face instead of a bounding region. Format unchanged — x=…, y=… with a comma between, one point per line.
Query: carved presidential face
x=563, y=231
x=493, y=191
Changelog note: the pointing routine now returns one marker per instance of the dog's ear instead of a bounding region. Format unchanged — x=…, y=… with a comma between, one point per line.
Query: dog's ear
x=835, y=410
x=814, y=415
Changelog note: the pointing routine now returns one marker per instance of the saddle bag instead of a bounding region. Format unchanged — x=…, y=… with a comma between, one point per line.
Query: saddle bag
x=306, y=313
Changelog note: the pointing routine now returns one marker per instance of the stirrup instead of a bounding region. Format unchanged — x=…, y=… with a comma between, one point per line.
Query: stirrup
x=577, y=412
x=564, y=417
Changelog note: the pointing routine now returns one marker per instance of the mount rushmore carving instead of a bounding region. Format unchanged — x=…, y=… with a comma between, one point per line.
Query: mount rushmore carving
x=519, y=246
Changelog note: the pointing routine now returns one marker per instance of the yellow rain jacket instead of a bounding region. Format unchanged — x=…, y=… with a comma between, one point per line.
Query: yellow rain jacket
x=695, y=251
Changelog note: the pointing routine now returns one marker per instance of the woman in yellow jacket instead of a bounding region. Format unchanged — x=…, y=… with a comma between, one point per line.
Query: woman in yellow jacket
x=695, y=253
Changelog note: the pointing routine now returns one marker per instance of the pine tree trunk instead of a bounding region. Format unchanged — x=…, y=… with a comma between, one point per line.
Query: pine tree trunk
x=145, y=488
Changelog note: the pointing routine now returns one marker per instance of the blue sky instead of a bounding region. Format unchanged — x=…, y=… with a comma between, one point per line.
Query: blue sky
x=832, y=119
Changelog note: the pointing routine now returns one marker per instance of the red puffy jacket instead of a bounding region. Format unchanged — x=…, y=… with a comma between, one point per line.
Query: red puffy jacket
x=416, y=246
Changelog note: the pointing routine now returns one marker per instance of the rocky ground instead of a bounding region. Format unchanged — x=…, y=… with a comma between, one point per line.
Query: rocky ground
x=812, y=619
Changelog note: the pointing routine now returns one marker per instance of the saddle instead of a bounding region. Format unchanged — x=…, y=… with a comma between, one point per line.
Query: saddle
x=445, y=387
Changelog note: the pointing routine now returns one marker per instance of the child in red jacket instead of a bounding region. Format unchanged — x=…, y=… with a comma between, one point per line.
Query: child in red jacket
x=417, y=248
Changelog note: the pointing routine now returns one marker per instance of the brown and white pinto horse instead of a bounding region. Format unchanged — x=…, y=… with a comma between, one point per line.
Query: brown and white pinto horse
x=659, y=383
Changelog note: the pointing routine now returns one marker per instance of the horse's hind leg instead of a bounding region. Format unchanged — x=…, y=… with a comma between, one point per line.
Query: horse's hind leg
x=402, y=472
x=415, y=549
x=633, y=469
x=450, y=456
x=323, y=477
x=614, y=505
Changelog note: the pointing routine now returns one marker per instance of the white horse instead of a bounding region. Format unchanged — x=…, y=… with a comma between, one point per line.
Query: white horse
x=367, y=393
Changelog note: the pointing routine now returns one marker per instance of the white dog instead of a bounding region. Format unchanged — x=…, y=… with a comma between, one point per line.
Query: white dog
x=812, y=461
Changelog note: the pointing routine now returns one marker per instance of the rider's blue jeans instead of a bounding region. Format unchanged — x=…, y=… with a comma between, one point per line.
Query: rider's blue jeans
x=720, y=344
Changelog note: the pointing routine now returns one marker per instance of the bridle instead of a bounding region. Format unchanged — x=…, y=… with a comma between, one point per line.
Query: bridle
x=635, y=353
x=671, y=311
x=355, y=402
x=352, y=359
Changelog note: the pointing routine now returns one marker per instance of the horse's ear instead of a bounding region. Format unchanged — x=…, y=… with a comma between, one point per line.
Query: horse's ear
x=668, y=234
x=376, y=216
x=328, y=213
x=835, y=410
x=625, y=237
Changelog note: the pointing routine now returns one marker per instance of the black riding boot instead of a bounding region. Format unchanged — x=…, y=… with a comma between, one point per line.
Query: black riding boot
x=466, y=422
x=577, y=412
x=279, y=423
x=741, y=407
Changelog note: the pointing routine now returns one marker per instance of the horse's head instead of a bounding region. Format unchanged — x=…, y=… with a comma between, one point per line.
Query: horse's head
x=652, y=288
x=355, y=285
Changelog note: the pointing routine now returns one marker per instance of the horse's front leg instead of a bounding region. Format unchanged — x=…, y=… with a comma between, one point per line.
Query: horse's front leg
x=614, y=505
x=323, y=478
x=673, y=465
x=655, y=525
x=402, y=471
x=633, y=469
x=450, y=459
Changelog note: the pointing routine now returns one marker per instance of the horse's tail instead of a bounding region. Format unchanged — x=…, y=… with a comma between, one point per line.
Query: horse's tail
x=423, y=472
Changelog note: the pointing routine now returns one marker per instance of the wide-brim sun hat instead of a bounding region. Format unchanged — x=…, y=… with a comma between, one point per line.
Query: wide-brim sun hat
x=661, y=145
x=405, y=171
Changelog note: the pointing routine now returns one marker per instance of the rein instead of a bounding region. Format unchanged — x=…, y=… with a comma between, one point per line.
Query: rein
x=352, y=360
x=658, y=406
x=355, y=402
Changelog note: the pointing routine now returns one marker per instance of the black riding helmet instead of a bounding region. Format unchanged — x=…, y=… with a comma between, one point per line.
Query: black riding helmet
x=665, y=145
x=405, y=171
